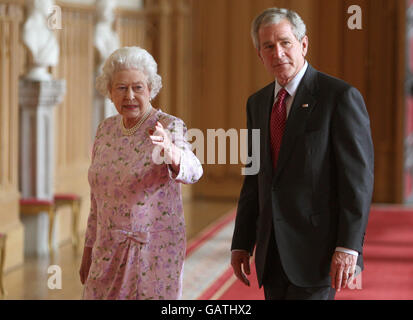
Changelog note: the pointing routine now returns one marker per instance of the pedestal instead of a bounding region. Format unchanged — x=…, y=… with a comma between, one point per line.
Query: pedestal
x=37, y=100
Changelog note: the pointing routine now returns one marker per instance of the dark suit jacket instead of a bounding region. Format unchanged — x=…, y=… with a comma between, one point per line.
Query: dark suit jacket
x=319, y=196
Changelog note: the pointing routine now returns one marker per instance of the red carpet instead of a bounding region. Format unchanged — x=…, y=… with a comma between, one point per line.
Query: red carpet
x=388, y=256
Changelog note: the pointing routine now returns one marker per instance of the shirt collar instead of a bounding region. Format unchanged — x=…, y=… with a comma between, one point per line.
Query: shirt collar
x=292, y=86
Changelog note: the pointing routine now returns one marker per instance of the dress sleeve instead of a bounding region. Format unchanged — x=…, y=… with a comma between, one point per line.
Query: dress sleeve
x=190, y=168
x=90, y=236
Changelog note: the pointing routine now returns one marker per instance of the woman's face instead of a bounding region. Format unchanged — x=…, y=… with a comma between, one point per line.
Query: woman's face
x=130, y=94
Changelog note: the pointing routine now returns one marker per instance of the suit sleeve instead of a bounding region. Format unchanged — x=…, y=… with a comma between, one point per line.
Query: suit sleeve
x=354, y=155
x=244, y=236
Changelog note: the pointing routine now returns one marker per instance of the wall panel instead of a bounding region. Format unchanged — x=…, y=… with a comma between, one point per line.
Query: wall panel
x=369, y=59
x=382, y=92
x=11, y=15
x=73, y=117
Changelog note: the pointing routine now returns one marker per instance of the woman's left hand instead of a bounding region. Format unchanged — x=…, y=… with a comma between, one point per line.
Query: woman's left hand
x=162, y=138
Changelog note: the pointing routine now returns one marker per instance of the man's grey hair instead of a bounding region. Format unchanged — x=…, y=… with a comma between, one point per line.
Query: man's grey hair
x=129, y=58
x=275, y=16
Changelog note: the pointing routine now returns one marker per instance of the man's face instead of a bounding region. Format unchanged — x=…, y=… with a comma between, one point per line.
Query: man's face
x=280, y=51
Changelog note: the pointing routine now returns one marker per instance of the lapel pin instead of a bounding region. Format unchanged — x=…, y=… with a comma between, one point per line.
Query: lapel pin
x=305, y=105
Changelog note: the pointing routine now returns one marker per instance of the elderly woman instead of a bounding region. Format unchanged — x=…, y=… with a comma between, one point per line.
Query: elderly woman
x=135, y=238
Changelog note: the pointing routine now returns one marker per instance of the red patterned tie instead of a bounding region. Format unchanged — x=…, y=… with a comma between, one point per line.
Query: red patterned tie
x=278, y=118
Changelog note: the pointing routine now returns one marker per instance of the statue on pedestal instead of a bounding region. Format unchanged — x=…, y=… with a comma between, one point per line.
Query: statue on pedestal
x=39, y=93
x=40, y=40
x=106, y=40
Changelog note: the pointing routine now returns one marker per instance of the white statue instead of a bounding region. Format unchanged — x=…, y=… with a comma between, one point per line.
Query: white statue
x=40, y=40
x=106, y=40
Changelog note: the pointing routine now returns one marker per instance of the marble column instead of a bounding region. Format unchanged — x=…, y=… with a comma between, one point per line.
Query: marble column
x=37, y=100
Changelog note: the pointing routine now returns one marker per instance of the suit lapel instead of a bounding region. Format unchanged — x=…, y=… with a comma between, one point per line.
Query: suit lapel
x=302, y=106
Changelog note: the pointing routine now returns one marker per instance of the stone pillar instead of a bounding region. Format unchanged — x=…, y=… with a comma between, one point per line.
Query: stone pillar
x=37, y=100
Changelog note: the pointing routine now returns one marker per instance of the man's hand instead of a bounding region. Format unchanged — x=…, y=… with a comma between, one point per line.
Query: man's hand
x=240, y=260
x=343, y=267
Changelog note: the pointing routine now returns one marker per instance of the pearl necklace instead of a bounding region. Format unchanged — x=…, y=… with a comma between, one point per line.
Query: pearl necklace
x=132, y=130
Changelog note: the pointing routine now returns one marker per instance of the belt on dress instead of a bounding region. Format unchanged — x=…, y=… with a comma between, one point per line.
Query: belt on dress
x=137, y=236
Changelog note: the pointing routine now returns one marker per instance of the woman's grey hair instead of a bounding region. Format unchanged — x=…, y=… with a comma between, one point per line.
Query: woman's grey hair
x=129, y=58
x=275, y=16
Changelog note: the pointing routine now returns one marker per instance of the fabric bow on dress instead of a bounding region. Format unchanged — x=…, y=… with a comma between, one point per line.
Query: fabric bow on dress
x=122, y=235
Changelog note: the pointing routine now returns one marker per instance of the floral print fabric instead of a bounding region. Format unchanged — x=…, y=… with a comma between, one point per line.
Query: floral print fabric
x=136, y=223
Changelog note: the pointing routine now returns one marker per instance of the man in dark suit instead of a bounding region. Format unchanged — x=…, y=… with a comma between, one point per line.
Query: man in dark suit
x=306, y=210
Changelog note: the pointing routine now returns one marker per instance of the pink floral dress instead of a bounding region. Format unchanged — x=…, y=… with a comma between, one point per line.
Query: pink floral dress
x=136, y=224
